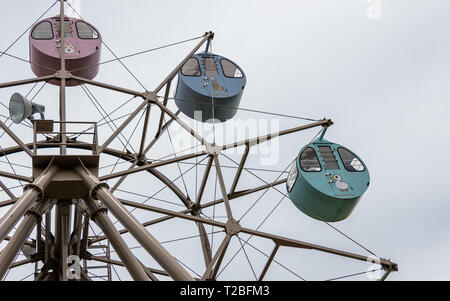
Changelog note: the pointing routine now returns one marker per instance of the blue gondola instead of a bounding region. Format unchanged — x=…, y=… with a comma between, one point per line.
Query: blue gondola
x=327, y=181
x=208, y=78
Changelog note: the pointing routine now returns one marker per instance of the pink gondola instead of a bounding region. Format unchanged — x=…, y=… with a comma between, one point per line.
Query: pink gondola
x=82, y=48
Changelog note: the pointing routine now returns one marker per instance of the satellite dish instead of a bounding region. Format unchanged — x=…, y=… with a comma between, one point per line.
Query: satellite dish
x=21, y=108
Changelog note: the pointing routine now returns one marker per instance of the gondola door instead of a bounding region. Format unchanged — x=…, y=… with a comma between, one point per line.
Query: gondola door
x=215, y=80
x=71, y=47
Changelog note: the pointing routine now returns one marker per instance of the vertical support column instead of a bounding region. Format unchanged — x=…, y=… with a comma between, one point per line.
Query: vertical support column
x=38, y=243
x=83, y=250
x=62, y=231
x=148, y=242
x=48, y=235
x=62, y=88
x=77, y=219
x=108, y=265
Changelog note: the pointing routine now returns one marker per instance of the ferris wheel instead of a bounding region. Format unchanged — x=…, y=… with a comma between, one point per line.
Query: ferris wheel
x=84, y=199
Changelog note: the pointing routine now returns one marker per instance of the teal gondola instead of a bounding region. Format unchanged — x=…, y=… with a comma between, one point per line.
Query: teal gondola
x=207, y=79
x=327, y=181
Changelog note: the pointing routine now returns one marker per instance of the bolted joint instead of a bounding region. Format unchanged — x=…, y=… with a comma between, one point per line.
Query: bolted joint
x=36, y=188
x=151, y=97
x=196, y=208
x=213, y=150
x=329, y=122
x=93, y=191
x=211, y=34
x=232, y=227
x=141, y=158
x=388, y=265
x=63, y=74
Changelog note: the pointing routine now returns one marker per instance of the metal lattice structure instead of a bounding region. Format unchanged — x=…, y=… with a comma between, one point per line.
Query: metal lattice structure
x=68, y=186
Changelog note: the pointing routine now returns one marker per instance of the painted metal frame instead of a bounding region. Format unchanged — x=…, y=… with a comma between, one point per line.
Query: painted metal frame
x=32, y=205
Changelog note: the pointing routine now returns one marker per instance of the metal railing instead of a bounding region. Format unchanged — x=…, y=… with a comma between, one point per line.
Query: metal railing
x=54, y=138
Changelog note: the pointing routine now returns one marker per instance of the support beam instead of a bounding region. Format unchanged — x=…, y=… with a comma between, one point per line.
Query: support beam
x=28, y=242
x=208, y=35
x=122, y=126
x=106, y=86
x=223, y=188
x=163, y=129
x=70, y=144
x=100, y=217
x=20, y=263
x=76, y=232
x=206, y=246
x=172, y=213
x=150, y=244
x=217, y=260
x=184, y=213
x=240, y=168
x=161, y=117
x=279, y=240
x=119, y=263
x=288, y=242
x=160, y=176
x=85, y=276
x=16, y=139
x=122, y=178
x=151, y=165
x=62, y=232
x=27, y=81
x=15, y=176
x=85, y=240
x=385, y=275
x=48, y=237
x=263, y=138
x=7, y=203
x=183, y=124
x=32, y=193
x=204, y=180
x=144, y=130
x=62, y=117
x=269, y=261
x=20, y=236
x=241, y=193
x=62, y=85
x=7, y=191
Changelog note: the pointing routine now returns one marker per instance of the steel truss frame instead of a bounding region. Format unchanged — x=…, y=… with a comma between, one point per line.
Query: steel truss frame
x=33, y=207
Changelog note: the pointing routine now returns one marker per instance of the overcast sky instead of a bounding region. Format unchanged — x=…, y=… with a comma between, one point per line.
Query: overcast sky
x=378, y=69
